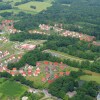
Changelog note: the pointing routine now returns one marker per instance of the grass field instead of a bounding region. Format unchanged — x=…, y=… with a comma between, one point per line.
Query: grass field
x=2, y=80
x=11, y=89
x=65, y=55
x=26, y=7
x=39, y=6
x=91, y=78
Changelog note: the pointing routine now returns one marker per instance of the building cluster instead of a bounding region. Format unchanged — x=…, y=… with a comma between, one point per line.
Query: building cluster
x=56, y=27
x=12, y=58
x=4, y=54
x=4, y=39
x=52, y=71
x=26, y=71
x=45, y=27
x=36, y=31
x=8, y=25
x=78, y=35
x=97, y=43
x=28, y=46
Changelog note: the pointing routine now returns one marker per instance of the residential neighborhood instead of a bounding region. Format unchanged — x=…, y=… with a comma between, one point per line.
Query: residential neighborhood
x=49, y=49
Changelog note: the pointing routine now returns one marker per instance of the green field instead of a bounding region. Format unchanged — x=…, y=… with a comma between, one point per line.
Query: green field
x=2, y=80
x=39, y=6
x=26, y=7
x=11, y=89
x=65, y=55
x=91, y=78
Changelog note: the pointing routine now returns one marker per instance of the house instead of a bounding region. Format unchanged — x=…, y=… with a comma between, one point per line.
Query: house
x=43, y=79
x=37, y=64
x=14, y=69
x=44, y=27
x=28, y=46
x=61, y=73
x=50, y=81
x=24, y=98
x=23, y=73
x=12, y=73
x=67, y=73
x=35, y=74
x=29, y=73
x=96, y=43
x=46, y=62
x=56, y=76
x=1, y=69
x=71, y=94
x=38, y=70
x=4, y=68
x=47, y=76
x=98, y=96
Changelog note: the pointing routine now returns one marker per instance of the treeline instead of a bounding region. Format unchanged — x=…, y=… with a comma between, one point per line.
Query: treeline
x=33, y=56
x=84, y=90
x=25, y=35
x=33, y=96
x=18, y=78
x=73, y=47
x=6, y=14
x=22, y=2
x=67, y=45
x=4, y=6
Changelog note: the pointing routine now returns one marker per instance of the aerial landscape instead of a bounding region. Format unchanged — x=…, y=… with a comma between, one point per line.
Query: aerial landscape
x=49, y=49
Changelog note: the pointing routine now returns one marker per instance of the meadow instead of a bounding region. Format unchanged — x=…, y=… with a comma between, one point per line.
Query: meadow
x=65, y=56
x=39, y=6
x=11, y=89
x=26, y=7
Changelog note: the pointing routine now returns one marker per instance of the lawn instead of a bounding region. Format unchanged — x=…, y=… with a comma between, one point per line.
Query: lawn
x=91, y=78
x=12, y=89
x=39, y=6
x=65, y=55
x=2, y=80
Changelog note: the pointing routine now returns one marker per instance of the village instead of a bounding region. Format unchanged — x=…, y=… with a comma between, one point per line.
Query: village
x=52, y=70
x=45, y=29
x=44, y=72
x=6, y=56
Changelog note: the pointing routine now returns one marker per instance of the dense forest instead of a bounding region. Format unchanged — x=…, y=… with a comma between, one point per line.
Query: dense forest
x=5, y=6
x=76, y=15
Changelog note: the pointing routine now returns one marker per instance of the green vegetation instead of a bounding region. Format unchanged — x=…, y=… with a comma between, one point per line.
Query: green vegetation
x=64, y=55
x=39, y=6
x=91, y=78
x=12, y=89
x=75, y=15
x=61, y=86
x=25, y=5
x=32, y=96
x=80, y=57
x=68, y=45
